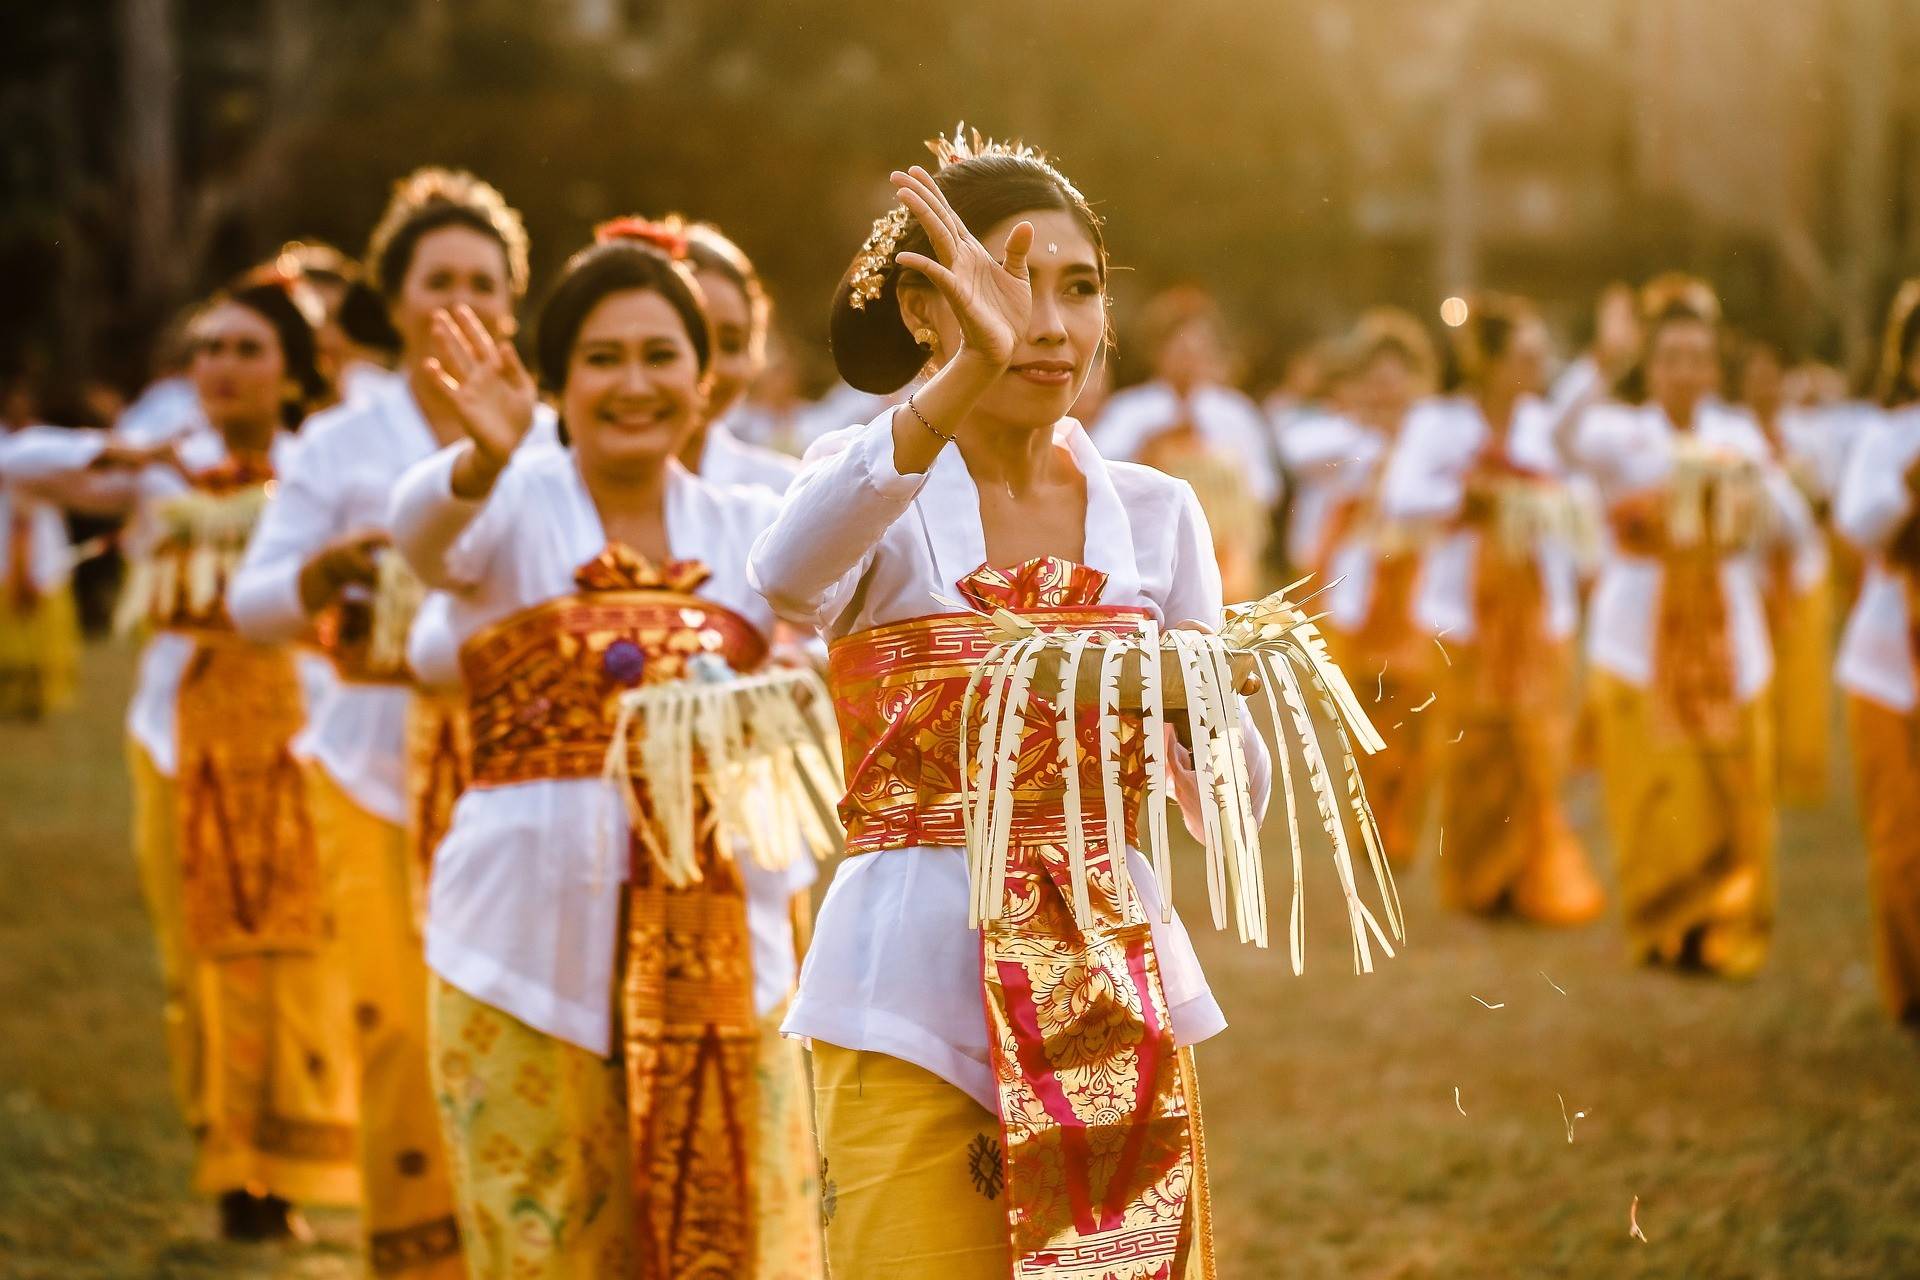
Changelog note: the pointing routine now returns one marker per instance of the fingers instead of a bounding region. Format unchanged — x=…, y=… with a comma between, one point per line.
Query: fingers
x=478, y=336
x=941, y=278
x=456, y=356
x=939, y=235
x=510, y=366
x=1019, y=243
x=938, y=200
x=441, y=377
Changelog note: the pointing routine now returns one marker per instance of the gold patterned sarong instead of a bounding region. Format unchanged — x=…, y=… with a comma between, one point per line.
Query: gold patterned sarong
x=543, y=687
x=1104, y=1157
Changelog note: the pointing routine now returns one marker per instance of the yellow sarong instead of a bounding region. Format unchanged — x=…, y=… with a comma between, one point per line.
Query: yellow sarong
x=260, y=1044
x=39, y=655
x=536, y=1129
x=1693, y=827
x=1803, y=692
x=1886, y=749
x=409, y=1220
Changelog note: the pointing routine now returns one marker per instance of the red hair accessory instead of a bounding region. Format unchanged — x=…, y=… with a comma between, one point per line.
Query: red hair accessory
x=664, y=236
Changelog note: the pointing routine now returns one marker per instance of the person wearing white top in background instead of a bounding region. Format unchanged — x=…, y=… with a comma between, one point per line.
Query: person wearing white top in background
x=559, y=950
x=1498, y=579
x=39, y=624
x=1677, y=639
x=1190, y=423
x=1368, y=577
x=980, y=487
x=1799, y=584
x=320, y=558
x=257, y=1010
x=1879, y=667
x=1331, y=458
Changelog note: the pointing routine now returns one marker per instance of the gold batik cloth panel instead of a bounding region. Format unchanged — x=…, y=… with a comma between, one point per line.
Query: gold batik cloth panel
x=1104, y=1159
x=1395, y=668
x=544, y=688
x=409, y=1220
x=1693, y=828
x=156, y=851
x=39, y=654
x=1802, y=629
x=1509, y=699
x=1886, y=750
x=787, y=1171
x=250, y=874
x=439, y=764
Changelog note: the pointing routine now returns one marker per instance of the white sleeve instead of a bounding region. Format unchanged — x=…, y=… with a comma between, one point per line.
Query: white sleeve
x=1874, y=497
x=809, y=561
x=1419, y=482
x=444, y=537
x=299, y=522
x=1256, y=453
x=55, y=464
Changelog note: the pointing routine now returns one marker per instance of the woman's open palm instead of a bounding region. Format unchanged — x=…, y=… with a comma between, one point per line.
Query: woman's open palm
x=489, y=391
x=992, y=298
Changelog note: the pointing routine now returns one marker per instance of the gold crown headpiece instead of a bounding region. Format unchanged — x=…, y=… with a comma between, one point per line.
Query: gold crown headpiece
x=883, y=241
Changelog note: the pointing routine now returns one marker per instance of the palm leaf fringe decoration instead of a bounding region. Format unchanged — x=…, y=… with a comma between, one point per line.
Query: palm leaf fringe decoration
x=762, y=748
x=1195, y=674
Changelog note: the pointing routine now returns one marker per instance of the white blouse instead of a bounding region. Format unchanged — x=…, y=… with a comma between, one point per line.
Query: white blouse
x=1876, y=651
x=339, y=482
x=56, y=463
x=1225, y=418
x=1426, y=480
x=893, y=967
x=524, y=908
x=47, y=557
x=1330, y=460
x=727, y=459
x=1628, y=449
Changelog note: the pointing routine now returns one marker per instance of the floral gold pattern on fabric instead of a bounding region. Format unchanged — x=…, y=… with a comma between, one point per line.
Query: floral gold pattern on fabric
x=250, y=876
x=439, y=764
x=543, y=684
x=1100, y=1138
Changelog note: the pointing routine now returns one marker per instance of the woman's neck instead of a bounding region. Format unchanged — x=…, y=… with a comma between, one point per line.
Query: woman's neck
x=254, y=438
x=1496, y=406
x=1682, y=414
x=1017, y=459
x=632, y=505
x=694, y=451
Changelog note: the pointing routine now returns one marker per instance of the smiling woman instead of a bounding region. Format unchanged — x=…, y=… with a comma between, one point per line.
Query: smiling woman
x=594, y=1005
x=1061, y=1130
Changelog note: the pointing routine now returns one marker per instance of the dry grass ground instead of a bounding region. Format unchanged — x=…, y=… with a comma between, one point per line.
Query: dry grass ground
x=1770, y=1129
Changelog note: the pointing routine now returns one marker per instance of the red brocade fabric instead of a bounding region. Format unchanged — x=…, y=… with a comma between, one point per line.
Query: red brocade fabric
x=1105, y=1161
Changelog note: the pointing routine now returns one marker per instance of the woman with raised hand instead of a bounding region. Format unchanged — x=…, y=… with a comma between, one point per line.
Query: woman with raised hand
x=1064, y=1122
x=1678, y=645
x=320, y=560
x=1879, y=511
x=1498, y=586
x=257, y=1010
x=598, y=1050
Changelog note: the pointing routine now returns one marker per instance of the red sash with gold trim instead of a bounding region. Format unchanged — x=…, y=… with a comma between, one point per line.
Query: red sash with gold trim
x=1693, y=659
x=543, y=689
x=1105, y=1161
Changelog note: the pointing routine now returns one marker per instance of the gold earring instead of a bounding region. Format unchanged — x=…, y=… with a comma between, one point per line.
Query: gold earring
x=923, y=337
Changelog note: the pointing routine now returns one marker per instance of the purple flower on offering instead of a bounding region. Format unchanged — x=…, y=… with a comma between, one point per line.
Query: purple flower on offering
x=624, y=662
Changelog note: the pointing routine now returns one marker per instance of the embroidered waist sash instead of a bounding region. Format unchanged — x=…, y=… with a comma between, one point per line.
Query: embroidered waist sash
x=543, y=686
x=1105, y=1165
x=1693, y=660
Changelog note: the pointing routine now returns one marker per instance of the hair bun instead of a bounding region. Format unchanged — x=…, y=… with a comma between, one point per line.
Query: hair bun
x=871, y=346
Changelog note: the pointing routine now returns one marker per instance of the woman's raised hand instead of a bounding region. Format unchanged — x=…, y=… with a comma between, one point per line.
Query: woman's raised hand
x=991, y=297
x=488, y=390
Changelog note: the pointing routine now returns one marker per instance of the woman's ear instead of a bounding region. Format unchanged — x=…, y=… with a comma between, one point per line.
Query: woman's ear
x=917, y=304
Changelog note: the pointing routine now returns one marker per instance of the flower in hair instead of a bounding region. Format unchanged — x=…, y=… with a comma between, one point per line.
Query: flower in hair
x=664, y=236
x=876, y=255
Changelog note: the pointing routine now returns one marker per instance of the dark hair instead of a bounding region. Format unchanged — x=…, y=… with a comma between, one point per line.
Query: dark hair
x=273, y=302
x=362, y=316
x=1897, y=348
x=429, y=199
x=871, y=346
x=708, y=249
x=594, y=273
x=1668, y=299
x=1487, y=333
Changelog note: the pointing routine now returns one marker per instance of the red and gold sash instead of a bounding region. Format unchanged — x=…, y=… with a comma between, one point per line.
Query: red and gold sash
x=1693, y=661
x=543, y=688
x=1518, y=660
x=250, y=870
x=1105, y=1161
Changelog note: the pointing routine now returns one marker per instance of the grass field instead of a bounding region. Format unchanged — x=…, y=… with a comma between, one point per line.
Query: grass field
x=1770, y=1129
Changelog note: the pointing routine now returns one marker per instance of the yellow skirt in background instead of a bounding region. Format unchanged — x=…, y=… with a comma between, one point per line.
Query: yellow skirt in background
x=1693, y=829
x=409, y=1220
x=1886, y=751
x=1803, y=693
x=39, y=656
x=1506, y=841
x=260, y=1045
x=536, y=1129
